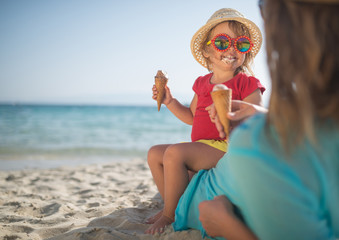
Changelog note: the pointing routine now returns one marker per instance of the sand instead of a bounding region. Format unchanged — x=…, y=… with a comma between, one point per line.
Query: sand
x=108, y=201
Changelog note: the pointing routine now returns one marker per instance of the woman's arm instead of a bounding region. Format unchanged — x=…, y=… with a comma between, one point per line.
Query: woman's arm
x=240, y=111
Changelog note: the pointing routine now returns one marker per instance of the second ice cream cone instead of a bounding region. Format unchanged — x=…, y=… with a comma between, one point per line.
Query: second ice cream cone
x=161, y=80
x=222, y=102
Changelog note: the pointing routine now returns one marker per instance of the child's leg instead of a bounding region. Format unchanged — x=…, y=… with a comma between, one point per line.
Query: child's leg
x=178, y=158
x=155, y=162
x=190, y=174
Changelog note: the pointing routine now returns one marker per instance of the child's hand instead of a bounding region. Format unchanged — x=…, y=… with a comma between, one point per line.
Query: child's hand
x=168, y=96
x=214, y=118
x=212, y=112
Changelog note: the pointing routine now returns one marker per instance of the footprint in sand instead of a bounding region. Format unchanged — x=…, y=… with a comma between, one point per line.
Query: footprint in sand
x=50, y=209
x=22, y=228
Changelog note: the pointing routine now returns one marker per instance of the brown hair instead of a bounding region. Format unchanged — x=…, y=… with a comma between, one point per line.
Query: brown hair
x=239, y=29
x=303, y=59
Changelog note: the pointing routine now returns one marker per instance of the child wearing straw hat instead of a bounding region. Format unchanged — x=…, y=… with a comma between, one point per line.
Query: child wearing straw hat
x=226, y=45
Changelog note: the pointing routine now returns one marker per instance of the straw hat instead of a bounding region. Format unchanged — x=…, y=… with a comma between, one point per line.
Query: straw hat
x=222, y=15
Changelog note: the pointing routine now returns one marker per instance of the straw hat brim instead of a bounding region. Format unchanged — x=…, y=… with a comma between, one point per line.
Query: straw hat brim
x=199, y=36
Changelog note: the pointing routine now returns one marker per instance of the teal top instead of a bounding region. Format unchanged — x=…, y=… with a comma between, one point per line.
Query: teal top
x=280, y=196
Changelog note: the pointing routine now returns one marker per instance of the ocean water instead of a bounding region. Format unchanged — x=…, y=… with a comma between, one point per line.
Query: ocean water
x=43, y=136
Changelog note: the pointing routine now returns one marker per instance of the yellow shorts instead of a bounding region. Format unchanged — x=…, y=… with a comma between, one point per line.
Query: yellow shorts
x=222, y=145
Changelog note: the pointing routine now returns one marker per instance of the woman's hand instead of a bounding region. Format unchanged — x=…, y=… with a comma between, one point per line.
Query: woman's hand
x=240, y=111
x=218, y=220
x=213, y=214
x=168, y=96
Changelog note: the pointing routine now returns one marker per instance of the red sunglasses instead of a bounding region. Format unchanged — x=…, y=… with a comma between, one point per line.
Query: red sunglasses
x=222, y=42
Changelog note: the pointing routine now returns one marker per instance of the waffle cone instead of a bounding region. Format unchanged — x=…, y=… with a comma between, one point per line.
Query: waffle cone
x=222, y=102
x=160, y=82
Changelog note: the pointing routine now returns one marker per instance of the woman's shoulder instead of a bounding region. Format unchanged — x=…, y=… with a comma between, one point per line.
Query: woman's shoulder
x=250, y=136
x=258, y=139
x=252, y=125
x=258, y=131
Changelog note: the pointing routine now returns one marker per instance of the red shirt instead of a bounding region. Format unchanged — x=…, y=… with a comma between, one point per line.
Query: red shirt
x=241, y=85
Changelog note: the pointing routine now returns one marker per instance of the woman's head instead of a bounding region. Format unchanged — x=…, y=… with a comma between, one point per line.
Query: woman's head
x=238, y=24
x=304, y=63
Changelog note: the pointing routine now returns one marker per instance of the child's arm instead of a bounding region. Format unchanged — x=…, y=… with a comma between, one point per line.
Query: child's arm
x=218, y=220
x=254, y=98
x=182, y=112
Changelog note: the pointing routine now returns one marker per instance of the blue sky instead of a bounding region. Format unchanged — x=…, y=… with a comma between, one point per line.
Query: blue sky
x=105, y=52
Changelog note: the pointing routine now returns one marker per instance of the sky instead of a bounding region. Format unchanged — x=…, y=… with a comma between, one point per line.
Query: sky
x=105, y=51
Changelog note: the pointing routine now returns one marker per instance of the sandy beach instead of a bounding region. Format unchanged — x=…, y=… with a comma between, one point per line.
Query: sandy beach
x=107, y=201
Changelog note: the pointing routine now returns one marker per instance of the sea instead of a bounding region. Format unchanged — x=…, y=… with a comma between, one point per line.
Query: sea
x=49, y=136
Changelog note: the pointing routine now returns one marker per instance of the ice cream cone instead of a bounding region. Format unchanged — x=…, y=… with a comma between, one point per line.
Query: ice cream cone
x=161, y=80
x=222, y=102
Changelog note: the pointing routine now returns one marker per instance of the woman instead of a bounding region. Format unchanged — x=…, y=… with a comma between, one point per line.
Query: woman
x=282, y=168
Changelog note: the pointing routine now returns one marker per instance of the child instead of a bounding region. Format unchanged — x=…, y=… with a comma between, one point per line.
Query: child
x=226, y=46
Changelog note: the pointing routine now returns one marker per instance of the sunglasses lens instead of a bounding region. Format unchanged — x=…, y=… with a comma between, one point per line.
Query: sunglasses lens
x=243, y=44
x=221, y=42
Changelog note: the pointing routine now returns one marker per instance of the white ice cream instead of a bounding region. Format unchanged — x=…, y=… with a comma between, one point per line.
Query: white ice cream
x=219, y=87
x=228, y=59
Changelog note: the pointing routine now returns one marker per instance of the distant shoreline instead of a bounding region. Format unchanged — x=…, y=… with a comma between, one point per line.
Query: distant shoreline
x=74, y=104
x=81, y=104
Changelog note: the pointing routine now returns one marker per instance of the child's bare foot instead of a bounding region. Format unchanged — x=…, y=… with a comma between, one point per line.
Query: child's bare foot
x=159, y=225
x=154, y=218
